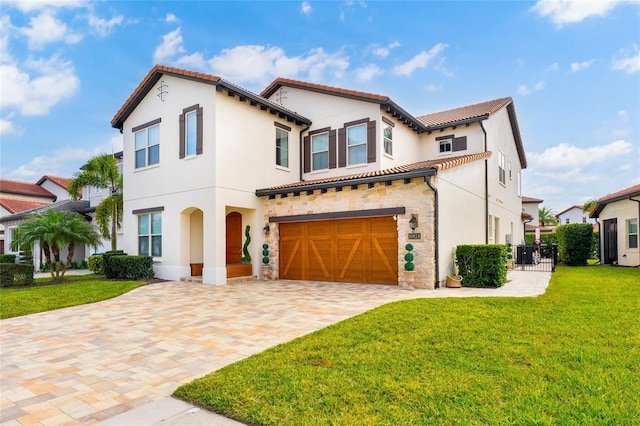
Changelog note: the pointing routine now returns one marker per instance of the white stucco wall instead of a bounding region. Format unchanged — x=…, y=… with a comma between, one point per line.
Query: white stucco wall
x=56, y=190
x=623, y=211
x=430, y=147
x=575, y=215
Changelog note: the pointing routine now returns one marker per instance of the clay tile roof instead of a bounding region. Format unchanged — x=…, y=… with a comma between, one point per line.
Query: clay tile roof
x=531, y=200
x=275, y=85
x=567, y=209
x=17, y=205
x=469, y=112
x=60, y=181
x=420, y=168
x=156, y=73
x=24, y=188
x=632, y=191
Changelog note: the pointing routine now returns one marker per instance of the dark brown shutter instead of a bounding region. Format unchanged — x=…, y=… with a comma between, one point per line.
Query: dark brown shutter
x=332, y=149
x=342, y=147
x=199, y=131
x=181, y=139
x=459, y=144
x=307, y=154
x=371, y=142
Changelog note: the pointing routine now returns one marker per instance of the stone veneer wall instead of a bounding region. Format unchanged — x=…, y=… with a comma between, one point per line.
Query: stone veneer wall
x=416, y=197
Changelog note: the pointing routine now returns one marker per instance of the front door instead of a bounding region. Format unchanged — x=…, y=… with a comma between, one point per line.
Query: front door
x=234, y=238
x=611, y=242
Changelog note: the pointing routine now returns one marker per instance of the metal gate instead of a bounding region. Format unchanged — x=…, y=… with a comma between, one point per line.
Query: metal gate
x=542, y=257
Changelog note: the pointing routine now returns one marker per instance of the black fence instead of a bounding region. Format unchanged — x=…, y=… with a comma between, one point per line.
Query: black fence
x=543, y=257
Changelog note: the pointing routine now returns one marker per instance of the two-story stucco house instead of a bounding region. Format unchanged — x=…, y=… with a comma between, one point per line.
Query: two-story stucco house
x=619, y=215
x=574, y=214
x=333, y=184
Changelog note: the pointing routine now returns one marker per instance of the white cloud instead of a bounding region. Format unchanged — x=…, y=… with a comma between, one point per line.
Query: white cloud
x=6, y=127
x=553, y=67
x=5, y=56
x=420, y=61
x=627, y=60
x=305, y=8
x=102, y=26
x=257, y=64
x=367, y=73
x=433, y=88
x=571, y=11
x=31, y=94
x=579, y=66
x=33, y=5
x=383, y=51
x=171, y=46
x=171, y=18
x=524, y=90
x=568, y=156
x=46, y=28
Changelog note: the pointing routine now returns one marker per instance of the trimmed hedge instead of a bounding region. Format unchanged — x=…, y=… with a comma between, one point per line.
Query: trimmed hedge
x=575, y=243
x=128, y=267
x=482, y=265
x=7, y=258
x=13, y=275
x=545, y=238
x=96, y=264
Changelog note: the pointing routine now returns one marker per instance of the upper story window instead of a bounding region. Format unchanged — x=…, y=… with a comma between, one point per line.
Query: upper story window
x=282, y=145
x=388, y=139
x=445, y=146
x=632, y=233
x=150, y=234
x=320, y=151
x=502, y=174
x=567, y=221
x=147, y=144
x=191, y=131
x=357, y=144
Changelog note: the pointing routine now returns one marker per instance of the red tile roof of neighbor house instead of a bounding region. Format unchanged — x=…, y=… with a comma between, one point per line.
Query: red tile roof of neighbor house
x=60, y=181
x=567, y=209
x=483, y=109
x=24, y=188
x=278, y=82
x=531, y=200
x=17, y=205
x=632, y=191
x=430, y=167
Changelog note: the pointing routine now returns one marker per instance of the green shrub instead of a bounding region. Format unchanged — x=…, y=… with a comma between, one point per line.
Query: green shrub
x=575, y=243
x=108, y=271
x=96, y=264
x=595, y=246
x=129, y=267
x=7, y=258
x=545, y=238
x=482, y=265
x=12, y=275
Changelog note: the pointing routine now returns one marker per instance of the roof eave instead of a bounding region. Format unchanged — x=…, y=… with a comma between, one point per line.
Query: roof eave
x=423, y=172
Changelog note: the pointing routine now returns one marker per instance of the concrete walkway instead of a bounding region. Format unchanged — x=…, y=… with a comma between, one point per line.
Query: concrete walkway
x=118, y=361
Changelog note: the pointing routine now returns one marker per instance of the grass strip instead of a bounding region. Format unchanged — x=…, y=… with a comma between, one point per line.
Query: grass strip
x=570, y=356
x=24, y=301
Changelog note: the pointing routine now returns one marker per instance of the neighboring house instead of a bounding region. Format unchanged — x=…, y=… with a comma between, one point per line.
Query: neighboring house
x=19, y=199
x=335, y=190
x=530, y=208
x=574, y=214
x=618, y=215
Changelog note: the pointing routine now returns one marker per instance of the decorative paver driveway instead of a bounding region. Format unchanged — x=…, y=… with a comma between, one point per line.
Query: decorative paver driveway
x=84, y=364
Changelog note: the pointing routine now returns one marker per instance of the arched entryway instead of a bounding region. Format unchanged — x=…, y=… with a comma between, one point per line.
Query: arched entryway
x=192, y=240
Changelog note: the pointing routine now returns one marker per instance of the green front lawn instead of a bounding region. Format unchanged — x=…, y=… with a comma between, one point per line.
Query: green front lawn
x=15, y=302
x=570, y=356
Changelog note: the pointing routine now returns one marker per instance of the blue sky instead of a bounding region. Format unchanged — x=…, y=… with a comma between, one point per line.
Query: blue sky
x=571, y=66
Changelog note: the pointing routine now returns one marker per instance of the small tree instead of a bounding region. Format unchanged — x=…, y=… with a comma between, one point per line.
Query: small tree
x=546, y=216
x=102, y=172
x=54, y=231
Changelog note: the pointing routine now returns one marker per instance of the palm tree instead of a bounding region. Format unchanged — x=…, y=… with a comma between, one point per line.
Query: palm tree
x=589, y=205
x=102, y=172
x=54, y=231
x=546, y=216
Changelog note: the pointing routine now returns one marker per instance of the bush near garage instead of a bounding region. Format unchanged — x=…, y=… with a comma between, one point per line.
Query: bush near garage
x=15, y=274
x=482, y=265
x=7, y=258
x=128, y=267
x=95, y=264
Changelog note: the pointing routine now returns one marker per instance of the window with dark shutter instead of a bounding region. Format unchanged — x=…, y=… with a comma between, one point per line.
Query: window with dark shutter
x=459, y=144
x=191, y=137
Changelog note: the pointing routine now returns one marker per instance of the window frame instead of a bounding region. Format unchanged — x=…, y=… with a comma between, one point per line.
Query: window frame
x=150, y=235
x=502, y=173
x=281, y=130
x=446, y=142
x=145, y=128
x=183, y=151
x=387, y=142
x=315, y=153
x=359, y=145
x=190, y=133
x=630, y=223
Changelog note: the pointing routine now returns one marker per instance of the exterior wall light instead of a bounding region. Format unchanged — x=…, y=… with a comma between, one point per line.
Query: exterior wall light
x=266, y=229
x=413, y=222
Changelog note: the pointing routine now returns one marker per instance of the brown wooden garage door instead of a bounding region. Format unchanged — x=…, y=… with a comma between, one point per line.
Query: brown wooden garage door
x=363, y=250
